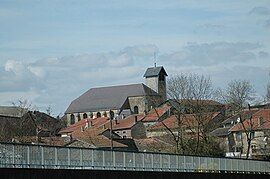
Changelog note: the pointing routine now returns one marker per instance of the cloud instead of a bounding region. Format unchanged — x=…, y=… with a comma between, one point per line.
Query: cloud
x=16, y=76
x=206, y=54
x=260, y=11
x=57, y=81
x=263, y=54
x=267, y=23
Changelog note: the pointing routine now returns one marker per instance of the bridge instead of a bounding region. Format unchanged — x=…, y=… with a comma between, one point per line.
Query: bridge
x=19, y=156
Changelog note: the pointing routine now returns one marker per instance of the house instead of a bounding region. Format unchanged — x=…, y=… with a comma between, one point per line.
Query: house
x=188, y=122
x=256, y=128
x=129, y=127
x=223, y=131
x=157, y=114
x=96, y=133
x=83, y=125
x=18, y=122
x=137, y=98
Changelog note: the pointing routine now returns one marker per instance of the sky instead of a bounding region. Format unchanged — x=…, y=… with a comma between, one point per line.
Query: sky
x=52, y=51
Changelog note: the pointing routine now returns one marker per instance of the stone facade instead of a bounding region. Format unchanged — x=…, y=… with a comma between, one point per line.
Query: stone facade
x=94, y=114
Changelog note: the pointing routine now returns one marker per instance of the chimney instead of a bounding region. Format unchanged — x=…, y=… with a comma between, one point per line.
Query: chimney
x=104, y=127
x=116, y=121
x=136, y=119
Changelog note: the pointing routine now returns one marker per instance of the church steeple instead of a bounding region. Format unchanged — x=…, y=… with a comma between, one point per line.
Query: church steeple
x=156, y=80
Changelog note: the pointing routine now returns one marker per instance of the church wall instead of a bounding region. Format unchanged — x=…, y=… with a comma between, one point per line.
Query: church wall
x=152, y=82
x=137, y=101
x=88, y=115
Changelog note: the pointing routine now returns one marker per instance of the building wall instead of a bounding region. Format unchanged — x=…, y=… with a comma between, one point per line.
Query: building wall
x=256, y=143
x=138, y=101
x=152, y=82
x=138, y=131
x=88, y=115
x=126, y=133
x=158, y=86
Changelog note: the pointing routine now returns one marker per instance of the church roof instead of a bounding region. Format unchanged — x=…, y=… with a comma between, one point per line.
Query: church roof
x=104, y=98
x=154, y=71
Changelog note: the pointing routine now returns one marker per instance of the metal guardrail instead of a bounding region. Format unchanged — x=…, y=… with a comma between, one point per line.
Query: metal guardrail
x=34, y=156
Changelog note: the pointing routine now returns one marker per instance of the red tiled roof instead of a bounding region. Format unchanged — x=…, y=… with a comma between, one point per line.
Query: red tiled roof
x=259, y=121
x=156, y=113
x=92, y=136
x=186, y=120
x=126, y=123
x=95, y=122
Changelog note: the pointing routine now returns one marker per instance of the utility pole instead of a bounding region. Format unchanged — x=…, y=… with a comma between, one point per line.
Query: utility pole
x=111, y=118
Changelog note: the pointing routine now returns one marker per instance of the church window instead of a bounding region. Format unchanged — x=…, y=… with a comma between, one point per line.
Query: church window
x=84, y=115
x=79, y=117
x=136, y=110
x=111, y=114
x=91, y=115
x=98, y=114
x=72, y=119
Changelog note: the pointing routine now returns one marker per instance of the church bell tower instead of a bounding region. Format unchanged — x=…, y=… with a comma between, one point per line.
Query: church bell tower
x=156, y=80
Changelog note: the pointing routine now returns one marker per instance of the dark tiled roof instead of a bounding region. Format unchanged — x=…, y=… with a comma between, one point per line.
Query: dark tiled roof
x=105, y=98
x=154, y=71
x=219, y=132
x=12, y=111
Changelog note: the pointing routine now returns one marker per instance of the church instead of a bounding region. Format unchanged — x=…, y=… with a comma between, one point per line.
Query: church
x=122, y=100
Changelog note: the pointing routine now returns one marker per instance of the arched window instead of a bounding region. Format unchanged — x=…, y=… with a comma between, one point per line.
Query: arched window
x=98, y=114
x=91, y=115
x=136, y=110
x=84, y=115
x=111, y=114
x=72, y=119
x=79, y=117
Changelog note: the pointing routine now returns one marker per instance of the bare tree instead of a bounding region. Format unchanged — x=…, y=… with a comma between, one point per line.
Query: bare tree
x=238, y=94
x=268, y=93
x=23, y=106
x=190, y=93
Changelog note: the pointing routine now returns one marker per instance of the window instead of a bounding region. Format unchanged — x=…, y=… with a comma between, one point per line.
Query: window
x=98, y=114
x=136, y=110
x=124, y=132
x=79, y=117
x=238, y=136
x=72, y=119
x=252, y=135
x=84, y=115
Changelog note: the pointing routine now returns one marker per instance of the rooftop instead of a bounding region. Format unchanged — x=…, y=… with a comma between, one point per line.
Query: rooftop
x=105, y=98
